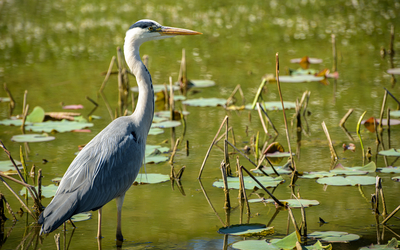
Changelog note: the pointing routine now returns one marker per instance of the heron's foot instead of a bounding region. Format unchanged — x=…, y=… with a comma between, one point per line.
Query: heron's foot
x=99, y=237
x=120, y=237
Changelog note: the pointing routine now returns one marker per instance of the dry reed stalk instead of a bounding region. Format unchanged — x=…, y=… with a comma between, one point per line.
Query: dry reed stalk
x=211, y=145
x=237, y=88
x=283, y=110
x=109, y=71
x=171, y=160
x=269, y=120
x=345, y=117
x=334, y=54
x=243, y=190
x=388, y=127
x=227, y=204
x=12, y=102
x=391, y=215
x=333, y=151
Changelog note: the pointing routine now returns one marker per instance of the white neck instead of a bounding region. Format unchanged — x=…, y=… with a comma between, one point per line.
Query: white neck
x=144, y=110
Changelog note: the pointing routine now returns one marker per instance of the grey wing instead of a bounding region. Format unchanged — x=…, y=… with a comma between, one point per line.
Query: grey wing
x=104, y=169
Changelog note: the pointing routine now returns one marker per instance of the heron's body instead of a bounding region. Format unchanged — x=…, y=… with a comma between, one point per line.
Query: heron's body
x=108, y=165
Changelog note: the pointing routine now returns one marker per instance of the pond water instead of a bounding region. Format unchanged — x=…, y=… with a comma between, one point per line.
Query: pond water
x=57, y=51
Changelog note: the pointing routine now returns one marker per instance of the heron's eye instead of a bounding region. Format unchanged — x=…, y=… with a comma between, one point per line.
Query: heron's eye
x=151, y=28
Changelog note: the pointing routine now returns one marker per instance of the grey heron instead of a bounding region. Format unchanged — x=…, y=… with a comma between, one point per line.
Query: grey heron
x=108, y=165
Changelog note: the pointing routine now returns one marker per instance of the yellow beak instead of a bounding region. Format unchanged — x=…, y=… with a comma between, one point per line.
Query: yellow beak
x=177, y=31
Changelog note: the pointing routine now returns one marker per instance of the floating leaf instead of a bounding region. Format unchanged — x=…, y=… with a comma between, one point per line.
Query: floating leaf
x=166, y=124
x=275, y=105
x=7, y=165
x=247, y=230
x=156, y=131
x=253, y=245
x=391, y=152
x=389, y=170
x=201, y=83
x=47, y=191
x=59, y=126
x=289, y=242
x=347, y=180
x=396, y=178
x=167, y=114
x=395, y=113
x=318, y=246
x=5, y=99
x=13, y=122
x=234, y=182
x=36, y=116
x=32, y=138
x=205, y=102
x=302, y=72
x=300, y=78
x=81, y=217
x=340, y=170
x=179, y=98
x=150, y=149
x=56, y=180
x=394, y=71
x=294, y=203
x=151, y=178
x=333, y=236
x=316, y=175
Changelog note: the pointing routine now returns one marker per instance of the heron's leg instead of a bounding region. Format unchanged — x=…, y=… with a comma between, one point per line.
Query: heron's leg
x=99, y=224
x=120, y=201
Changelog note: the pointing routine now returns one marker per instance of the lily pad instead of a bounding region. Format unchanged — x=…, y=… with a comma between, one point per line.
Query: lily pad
x=205, y=102
x=368, y=168
x=289, y=242
x=156, y=131
x=7, y=165
x=151, y=178
x=13, y=122
x=234, y=182
x=254, y=245
x=56, y=180
x=380, y=247
x=32, y=138
x=150, y=149
x=389, y=170
x=247, y=230
x=293, y=203
x=166, y=124
x=167, y=113
x=390, y=152
x=37, y=115
x=316, y=175
x=347, y=180
x=81, y=217
x=396, y=178
x=333, y=236
x=394, y=71
x=269, y=106
x=5, y=99
x=300, y=78
x=395, y=113
x=59, y=126
x=201, y=83
x=47, y=191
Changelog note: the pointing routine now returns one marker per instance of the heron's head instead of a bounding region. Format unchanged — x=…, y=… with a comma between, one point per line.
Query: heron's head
x=147, y=30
